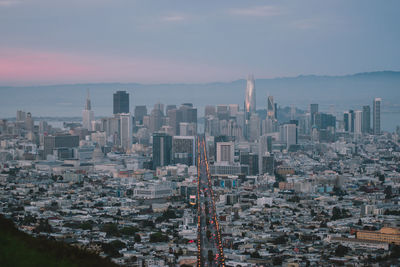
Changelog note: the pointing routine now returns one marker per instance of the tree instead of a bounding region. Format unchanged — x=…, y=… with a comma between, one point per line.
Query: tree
x=255, y=255
x=381, y=177
x=129, y=230
x=280, y=240
x=313, y=213
x=44, y=226
x=138, y=239
x=338, y=213
x=388, y=192
x=86, y=225
x=112, y=248
x=277, y=260
x=111, y=229
x=158, y=237
x=341, y=251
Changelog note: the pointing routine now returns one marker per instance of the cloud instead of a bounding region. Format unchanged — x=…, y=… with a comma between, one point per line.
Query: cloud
x=27, y=67
x=173, y=18
x=256, y=11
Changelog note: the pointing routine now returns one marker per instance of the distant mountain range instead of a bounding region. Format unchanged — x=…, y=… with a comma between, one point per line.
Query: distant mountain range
x=343, y=92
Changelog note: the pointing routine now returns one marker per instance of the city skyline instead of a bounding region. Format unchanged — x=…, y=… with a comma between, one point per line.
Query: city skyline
x=189, y=133
x=122, y=186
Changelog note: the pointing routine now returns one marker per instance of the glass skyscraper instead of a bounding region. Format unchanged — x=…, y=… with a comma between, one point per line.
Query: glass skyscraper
x=121, y=102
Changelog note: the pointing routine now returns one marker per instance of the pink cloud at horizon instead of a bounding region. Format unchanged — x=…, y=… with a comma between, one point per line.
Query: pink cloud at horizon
x=32, y=67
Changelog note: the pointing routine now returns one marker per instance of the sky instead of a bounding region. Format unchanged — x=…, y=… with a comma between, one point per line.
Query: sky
x=90, y=41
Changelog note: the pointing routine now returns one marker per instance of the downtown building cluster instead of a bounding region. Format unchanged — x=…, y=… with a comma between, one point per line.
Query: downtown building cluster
x=292, y=187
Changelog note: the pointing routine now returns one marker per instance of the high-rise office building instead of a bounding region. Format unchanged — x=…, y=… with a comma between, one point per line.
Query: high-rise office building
x=211, y=126
x=156, y=120
x=377, y=116
x=187, y=129
x=174, y=120
x=313, y=111
x=288, y=134
x=249, y=105
x=189, y=113
x=225, y=152
x=268, y=164
x=348, y=121
x=162, y=150
x=126, y=131
x=358, y=122
x=270, y=107
x=140, y=112
x=210, y=111
x=223, y=112
x=29, y=124
x=251, y=160
x=250, y=100
x=64, y=143
x=264, y=149
x=323, y=120
x=43, y=127
x=159, y=106
x=87, y=114
x=168, y=108
x=292, y=112
x=366, y=119
x=121, y=102
x=184, y=150
x=254, y=127
x=233, y=110
x=21, y=115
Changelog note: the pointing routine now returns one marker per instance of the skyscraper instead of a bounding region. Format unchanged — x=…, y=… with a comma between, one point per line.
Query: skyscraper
x=323, y=120
x=168, y=108
x=288, y=134
x=87, y=114
x=175, y=118
x=254, y=127
x=348, y=120
x=225, y=152
x=126, y=131
x=249, y=105
x=313, y=110
x=121, y=102
x=184, y=150
x=223, y=112
x=271, y=107
x=140, y=112
x=189, y=113
x=209, y=111
x=61, y=142
x=29, y=124
x=21, y=115
x=233, y=110
x=250, y=101
x=162, y=150
x=358, y=122
x=156, y=119
x=377, y=115
x=366, y=119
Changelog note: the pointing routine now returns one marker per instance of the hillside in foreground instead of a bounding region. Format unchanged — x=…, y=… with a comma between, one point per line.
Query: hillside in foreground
x=20, y=249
